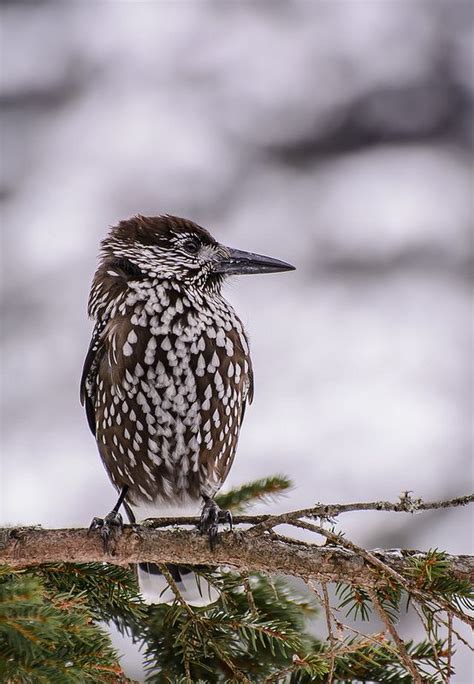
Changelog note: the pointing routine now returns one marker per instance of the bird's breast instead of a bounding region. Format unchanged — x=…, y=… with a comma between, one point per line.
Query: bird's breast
x=171, y=390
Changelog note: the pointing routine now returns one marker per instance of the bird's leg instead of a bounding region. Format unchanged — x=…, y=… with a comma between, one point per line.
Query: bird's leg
x=112, y=525
x=132, y=520
x=211, y=516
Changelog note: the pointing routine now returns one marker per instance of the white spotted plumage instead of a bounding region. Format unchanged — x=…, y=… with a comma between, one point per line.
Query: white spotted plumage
x=168, y=374
x=177, y=364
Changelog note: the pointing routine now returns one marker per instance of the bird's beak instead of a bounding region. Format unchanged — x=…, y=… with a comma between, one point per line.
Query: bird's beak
x=238, y=262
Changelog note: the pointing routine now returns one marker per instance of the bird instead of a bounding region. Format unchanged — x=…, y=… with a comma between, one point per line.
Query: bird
x=168, y=374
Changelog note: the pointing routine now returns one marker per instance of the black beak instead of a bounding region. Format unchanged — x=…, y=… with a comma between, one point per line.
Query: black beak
x=239, y=262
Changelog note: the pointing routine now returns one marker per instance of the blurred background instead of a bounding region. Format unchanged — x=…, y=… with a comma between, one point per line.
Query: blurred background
x=334, y=135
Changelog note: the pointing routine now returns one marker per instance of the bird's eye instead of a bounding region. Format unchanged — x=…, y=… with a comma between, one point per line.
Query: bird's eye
x=191, y=246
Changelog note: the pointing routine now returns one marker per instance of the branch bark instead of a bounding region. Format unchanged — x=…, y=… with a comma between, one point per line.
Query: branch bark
x=241, y=549
x=406, y=504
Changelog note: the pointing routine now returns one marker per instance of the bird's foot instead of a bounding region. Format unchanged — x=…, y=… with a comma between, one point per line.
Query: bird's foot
x=211, y=516
x=110, y=527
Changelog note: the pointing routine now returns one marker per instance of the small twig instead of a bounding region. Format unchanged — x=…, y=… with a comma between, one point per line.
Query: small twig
x=341, y=541
x=428, y=631
x=235, y=671
x=174, y=588
x=375, y=639
x=315, y=590
x=331, y=637
x=340, y=650
x=278, y=676
x=455, y=633
x=450, y=647
x=404, y=505
x=404, y=655
x=248, y=591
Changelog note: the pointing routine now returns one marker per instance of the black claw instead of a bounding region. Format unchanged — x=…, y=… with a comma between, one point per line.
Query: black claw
x=211, y=516
x=212, y=535
x=110, y=530
x=228, y=519
x=96, y=524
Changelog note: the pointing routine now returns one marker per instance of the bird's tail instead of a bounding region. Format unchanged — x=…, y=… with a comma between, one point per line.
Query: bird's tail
x=154, y=587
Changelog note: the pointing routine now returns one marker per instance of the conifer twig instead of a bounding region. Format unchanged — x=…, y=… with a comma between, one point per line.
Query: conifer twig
x=450, y=647
x=428, y=630
x=381, y=564
x=404, y=655
x=405, y=504
x=195, y=616
x=331, y=637
x=174, y=588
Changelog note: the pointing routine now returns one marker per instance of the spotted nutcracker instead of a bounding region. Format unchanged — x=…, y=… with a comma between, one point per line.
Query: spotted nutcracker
x=168, y=374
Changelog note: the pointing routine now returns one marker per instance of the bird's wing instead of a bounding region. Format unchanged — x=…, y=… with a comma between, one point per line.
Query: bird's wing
x=89, y=375
x=111, y=281
x=250, y=387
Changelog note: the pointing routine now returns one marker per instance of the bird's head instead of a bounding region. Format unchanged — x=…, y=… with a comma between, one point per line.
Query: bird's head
x=168, y=247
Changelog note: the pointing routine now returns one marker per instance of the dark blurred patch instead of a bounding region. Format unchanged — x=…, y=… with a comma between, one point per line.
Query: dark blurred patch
x=415, y=260
x=43, y=98
x=394, y=115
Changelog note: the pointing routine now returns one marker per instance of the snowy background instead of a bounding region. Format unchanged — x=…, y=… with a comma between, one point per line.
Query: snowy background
x=334, y=135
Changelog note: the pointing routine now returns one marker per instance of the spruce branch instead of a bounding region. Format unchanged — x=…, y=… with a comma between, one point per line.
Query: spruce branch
x=265, y=489
x=256, y=630
x=264, y=521
x=258, y=548
x=342, y=561
x=50, y=636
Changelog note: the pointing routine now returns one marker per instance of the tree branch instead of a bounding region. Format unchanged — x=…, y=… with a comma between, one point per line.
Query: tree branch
x=244, y=550
x=406, y=504
x=404, y=656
